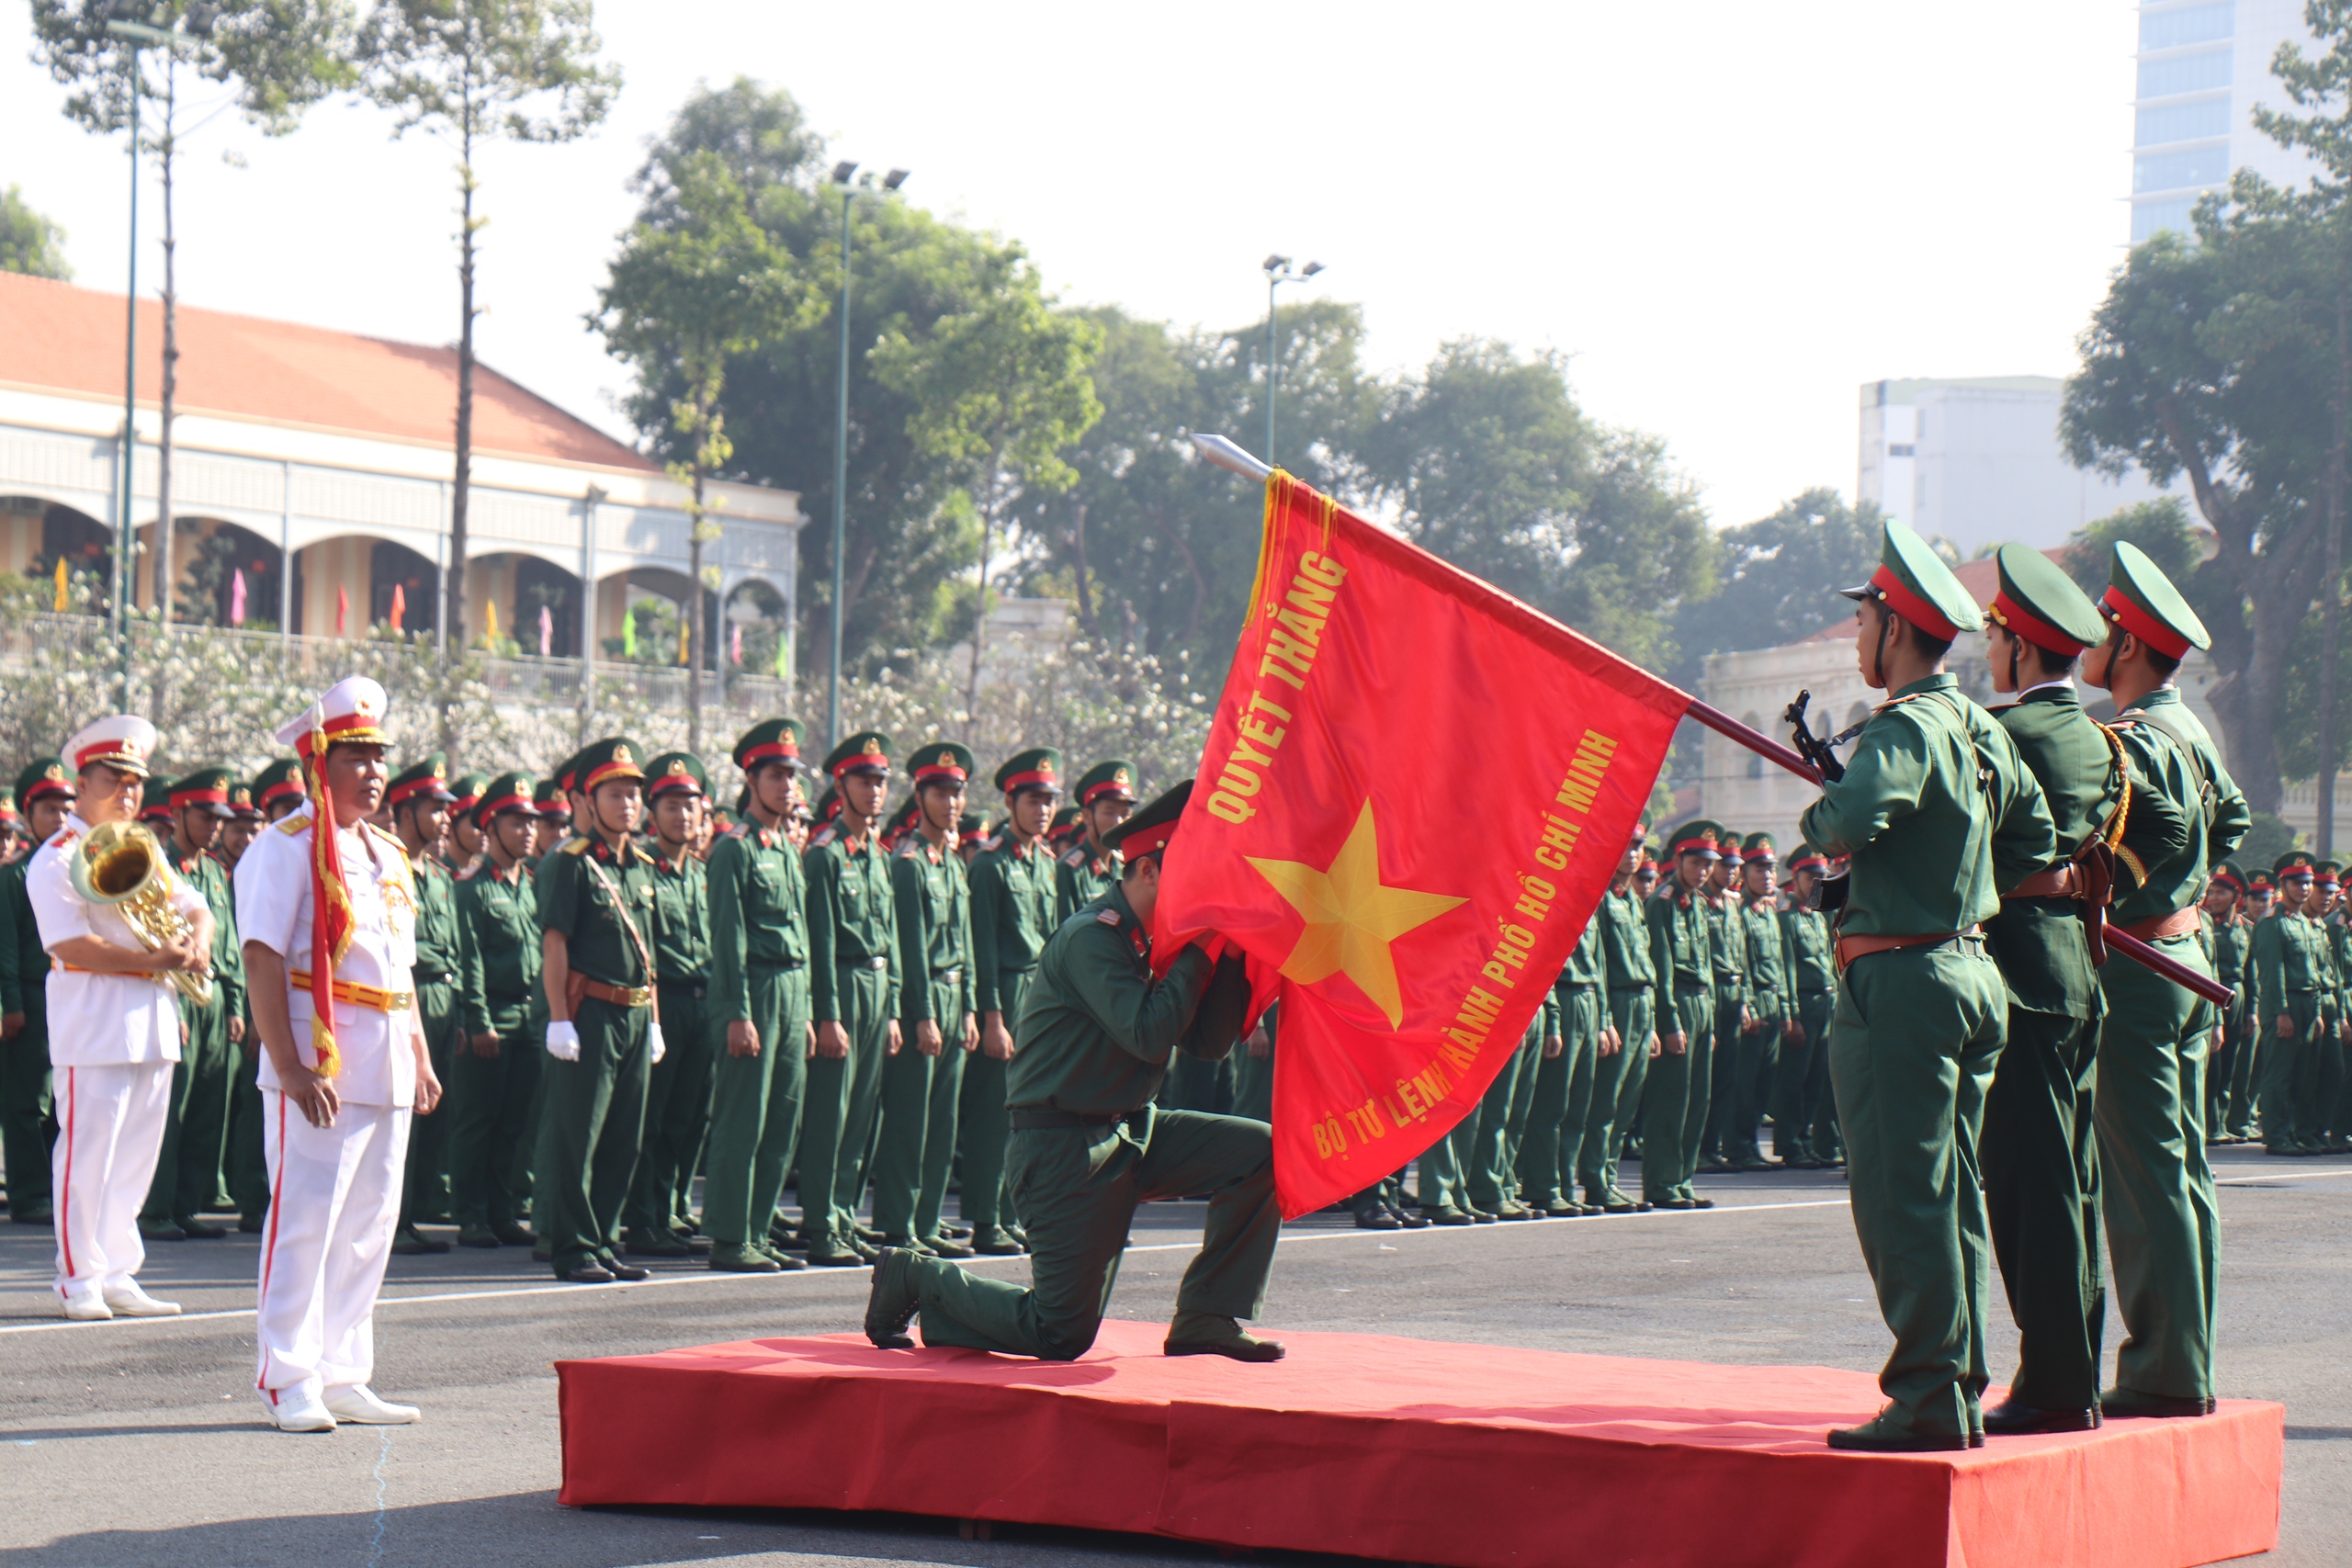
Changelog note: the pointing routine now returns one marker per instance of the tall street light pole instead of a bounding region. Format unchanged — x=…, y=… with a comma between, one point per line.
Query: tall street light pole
x=1278, y=273
x=843, y=172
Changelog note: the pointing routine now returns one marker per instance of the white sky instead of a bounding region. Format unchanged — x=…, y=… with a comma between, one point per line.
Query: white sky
x=1730, y=214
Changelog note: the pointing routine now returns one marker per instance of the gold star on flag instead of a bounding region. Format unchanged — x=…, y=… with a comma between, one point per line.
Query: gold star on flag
x=1351, y=917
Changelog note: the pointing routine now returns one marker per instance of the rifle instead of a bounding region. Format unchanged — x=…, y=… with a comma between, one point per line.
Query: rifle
x=1813, y=748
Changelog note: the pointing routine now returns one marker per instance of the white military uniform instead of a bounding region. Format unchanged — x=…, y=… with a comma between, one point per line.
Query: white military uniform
x=334, y=1191
x=113, y=1040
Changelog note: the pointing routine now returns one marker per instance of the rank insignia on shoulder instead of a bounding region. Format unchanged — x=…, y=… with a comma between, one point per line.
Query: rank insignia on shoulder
x=292, y=825
x=1075, y=858
x=575, y=846
x=1107, y=917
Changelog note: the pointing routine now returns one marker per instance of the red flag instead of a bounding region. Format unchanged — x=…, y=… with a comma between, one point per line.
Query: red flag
x=1412, y=798
x=399, y=616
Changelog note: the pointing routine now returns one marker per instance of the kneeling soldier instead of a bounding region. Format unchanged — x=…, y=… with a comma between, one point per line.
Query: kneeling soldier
x=1088, y=1147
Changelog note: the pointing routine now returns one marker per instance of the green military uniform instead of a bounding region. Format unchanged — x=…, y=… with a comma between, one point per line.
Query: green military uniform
x=1804, y=1113
x=853, y=982
x=2157, y=1189
x=1561, y=1095
x=1089, y=1146
x=921, y=1090
x=1681, y=928
x=438, y=976
x=494, y=1097
x=1013, y=914
x=1618, y=1078
x=759, y=976
x=28, y=1125
x=1939, y=814
x=2326, y=1048
x=591, y=1120
x=196, y=1134
x=2336, y=1093
x=677, y=1097
x=2288, y=958
x=2040, y=1157
x=1088, y=870
x=2255, y=1032
x=1771, y=1006
x=2226, y=944
x=1728, y=936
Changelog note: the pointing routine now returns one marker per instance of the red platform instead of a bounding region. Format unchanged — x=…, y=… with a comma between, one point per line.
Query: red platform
x=1470, y=1455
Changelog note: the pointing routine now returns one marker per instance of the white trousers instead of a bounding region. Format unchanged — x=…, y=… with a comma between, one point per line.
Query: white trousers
x=334, y=1196
x=110, y=1130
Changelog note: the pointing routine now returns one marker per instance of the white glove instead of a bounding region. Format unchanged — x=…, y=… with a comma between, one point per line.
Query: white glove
x=563, y=1040
x=653, y=1039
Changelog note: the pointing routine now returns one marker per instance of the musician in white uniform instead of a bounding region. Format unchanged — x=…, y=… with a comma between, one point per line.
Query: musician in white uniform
x=114, y=1031
x=336, y=920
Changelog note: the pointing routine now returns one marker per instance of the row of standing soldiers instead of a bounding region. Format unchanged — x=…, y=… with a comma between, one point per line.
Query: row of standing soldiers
x=828, y=989
x=2279, y=1073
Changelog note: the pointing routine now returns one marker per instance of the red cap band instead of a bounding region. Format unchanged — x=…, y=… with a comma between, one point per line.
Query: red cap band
x=1910, y=606
x=1694, y=846
x=107, y=751
x=281, y=789
x=1107, y=787
x=863, y=760
x=1045, y=776
x=505, y=803
x=2141, y=625
x=2033, y=628
x=1137, y=845
x=403, y=792
x=939, y=771
x=1814, y=863
x=767, y=750
x=217, y=797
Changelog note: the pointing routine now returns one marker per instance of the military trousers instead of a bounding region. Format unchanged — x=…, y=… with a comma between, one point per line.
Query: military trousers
x=2155, y=1189
x=2287, y=1073
x=1443, y=1172
x=1488, y=1177
x=2244, y=1079
x=1756, y=1062
x=248, y=1159
x=1717, y=1139
x=677, y=1114
x=196, y=1125
x=2040, y=1158
x=493, y=1131
x=1674, y=1109
x=1078, y=1189
x=1559, y=1102
x=1911, y=1050
x=590, y=1126
x=919, y=1097
x=756, y=1109
x=980, y=1120
x=837, y=1117
x=27, y=1125
x=424, y=1184
x=1617, y=1083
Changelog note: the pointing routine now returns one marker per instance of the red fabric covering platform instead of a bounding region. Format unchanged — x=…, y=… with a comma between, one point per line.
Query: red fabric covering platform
x=1470, y=1455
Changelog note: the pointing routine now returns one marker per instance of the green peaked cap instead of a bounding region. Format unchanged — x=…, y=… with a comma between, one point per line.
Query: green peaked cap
x=468, y=788
x=2057, y=615
x=1152, y=826
x=2228, y=872
x=770, y=740
x=943, y=762
x=2294, y=862
x=1912, y=582
x=674, y=770
x=601, y=760
x=277, y=781
x=548, y=796
x=1757, y=846
x=428, y=776
x=1040, y=767
x=43, y=776
x=867, y=751
x=2142, y=600
x=1701, y=835
x=507, y=792
x=1113, y=778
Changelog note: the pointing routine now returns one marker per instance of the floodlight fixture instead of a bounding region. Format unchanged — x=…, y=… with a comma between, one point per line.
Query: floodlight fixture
x=843, y=170
x=1275, y=263
x=895, y=178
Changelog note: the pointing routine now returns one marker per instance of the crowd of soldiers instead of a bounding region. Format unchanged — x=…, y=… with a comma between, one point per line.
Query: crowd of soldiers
x=833, y=982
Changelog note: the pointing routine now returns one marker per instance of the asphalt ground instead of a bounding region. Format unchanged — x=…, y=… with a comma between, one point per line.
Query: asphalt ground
x=141, y=1442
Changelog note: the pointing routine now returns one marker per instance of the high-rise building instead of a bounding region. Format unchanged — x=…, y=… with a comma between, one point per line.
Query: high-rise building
x=1977, y=460
x=2204, y=64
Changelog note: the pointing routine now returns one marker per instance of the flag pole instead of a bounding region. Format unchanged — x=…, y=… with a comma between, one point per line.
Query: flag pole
x=1225, y=453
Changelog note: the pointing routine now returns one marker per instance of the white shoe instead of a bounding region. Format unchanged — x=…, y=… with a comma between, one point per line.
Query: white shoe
x=298, y=1410
x=129, y=1300
x=87, y=1307
x=357, y=1404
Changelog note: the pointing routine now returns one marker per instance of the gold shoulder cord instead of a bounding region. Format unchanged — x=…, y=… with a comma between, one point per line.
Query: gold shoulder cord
x=2111, y=832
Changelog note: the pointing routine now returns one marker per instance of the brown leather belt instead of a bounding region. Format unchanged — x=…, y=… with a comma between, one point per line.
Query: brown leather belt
x=2180, y=922
x=617, y=996
x=2057, y=882
x=1852, y=947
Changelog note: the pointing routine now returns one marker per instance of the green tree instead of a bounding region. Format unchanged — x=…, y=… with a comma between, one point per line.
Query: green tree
x=1493, y=467
x=682, y=299
x=999, y=391
x=30, y=243
x=472, y=71
x=1777, y=578
x=279, y=57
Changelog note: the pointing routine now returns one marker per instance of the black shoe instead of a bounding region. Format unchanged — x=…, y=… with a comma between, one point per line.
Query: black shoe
x=1242, y=1346
x=160, y=1230
x=252, y=1224
x=650, y=1243
x=1623, y=1206
x=1373, y=1217
x=620, y=1271
x=1702, y=1202
x=955, y=1232
x=1415, y=1221
x=892, y=1303
x=32, y=1215
x=1448, y=1216
x=2011, y=1419
x=1480, y=1216
x=409, y=1244
x=941, y=1245
x=833, y=1252
x=995, y=1241
x=2131, y=1405
x=1876, y=1436
x=733, y=1258
x=589, y=1272
x=478, y=1236
x=202, y=1230
x=511, y=1235
x=1516, y=1210
x=1676, y=1203
x=1714, y=1164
